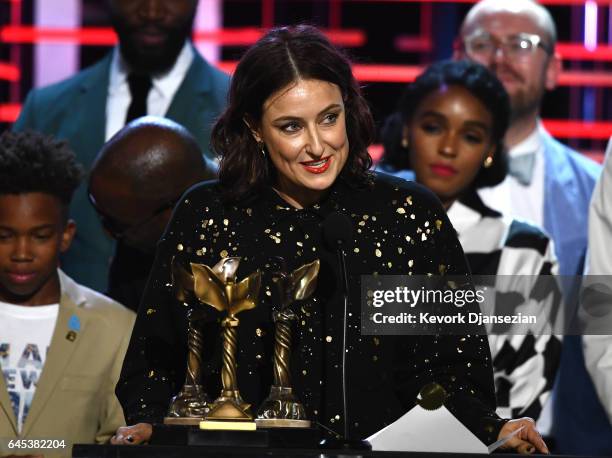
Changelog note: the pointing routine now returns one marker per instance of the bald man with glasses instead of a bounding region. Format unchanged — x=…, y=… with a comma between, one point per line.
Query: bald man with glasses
x=136, y=180
x=548, y=184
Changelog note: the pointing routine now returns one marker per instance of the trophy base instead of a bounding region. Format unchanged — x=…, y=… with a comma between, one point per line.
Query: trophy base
x=225, y=425
x=229, y=410
x=190, y=402
x=186, y=421
x=286, y=438
x=282, y=409
x=281, y=423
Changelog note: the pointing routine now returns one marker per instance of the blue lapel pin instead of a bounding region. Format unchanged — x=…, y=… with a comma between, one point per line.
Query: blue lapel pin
x=74, y=326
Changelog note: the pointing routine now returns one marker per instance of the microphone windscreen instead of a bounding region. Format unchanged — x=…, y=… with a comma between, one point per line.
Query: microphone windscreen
x=337, y=229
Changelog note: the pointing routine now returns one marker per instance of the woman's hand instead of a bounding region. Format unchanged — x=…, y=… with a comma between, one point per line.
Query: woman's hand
x=526, y=441
x=132, y=435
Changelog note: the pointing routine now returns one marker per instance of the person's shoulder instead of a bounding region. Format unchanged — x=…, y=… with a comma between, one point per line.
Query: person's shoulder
x=219, y=79
x=524, y=234
x=404, y=174
x=203, y=194
x=62, y=90
x=390, y=185
x=203, y=190
x=583, y=166
x=97, y=305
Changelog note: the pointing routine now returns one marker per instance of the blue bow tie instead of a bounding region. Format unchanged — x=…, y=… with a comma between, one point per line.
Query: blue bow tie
x=521, y=168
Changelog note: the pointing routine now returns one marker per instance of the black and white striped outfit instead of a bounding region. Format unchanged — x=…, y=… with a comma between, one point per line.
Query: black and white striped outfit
x=524, y=365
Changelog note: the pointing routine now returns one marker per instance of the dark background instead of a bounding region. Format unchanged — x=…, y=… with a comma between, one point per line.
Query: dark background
x=382, y=22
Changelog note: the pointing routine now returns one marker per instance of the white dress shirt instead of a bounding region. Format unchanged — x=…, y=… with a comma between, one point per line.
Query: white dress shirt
x=514, y=199
x=160, y=97
x=598, y=348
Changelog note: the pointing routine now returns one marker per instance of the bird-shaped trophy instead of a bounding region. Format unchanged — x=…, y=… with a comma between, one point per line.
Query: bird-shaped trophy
x=218, y=288
x=190, y=405
x=282, y=409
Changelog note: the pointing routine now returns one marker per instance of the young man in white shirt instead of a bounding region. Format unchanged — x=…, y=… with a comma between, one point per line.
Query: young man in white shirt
x=61, y=344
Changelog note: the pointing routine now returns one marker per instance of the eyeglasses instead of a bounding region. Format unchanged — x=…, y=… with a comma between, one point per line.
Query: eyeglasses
x=117, y=229
x=520, y=46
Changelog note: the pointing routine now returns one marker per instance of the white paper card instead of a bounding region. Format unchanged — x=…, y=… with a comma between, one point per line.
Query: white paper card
x=423, y=430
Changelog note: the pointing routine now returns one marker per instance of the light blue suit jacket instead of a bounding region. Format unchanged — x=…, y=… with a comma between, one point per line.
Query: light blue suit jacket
x=569, y=180
x=580, y=423
x=75, y=110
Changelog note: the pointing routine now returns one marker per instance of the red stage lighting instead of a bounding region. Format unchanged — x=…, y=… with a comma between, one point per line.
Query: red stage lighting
x=544, y=2
x=9, y=72
x=576, y=51
x=105, y=36
x=9, y=112
x=561, y=128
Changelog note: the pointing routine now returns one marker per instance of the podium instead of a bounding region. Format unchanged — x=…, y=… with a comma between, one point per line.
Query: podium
x=281, y=438
x=158, y=451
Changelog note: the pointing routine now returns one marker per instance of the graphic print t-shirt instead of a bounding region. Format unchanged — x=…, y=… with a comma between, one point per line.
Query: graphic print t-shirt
x=25, y=335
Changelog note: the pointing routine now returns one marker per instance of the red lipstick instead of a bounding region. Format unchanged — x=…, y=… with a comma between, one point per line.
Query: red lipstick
x=443, y=170
x=318, y=166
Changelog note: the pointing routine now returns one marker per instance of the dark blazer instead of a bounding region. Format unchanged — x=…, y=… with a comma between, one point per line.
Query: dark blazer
x=75, y=110
x=398, y=228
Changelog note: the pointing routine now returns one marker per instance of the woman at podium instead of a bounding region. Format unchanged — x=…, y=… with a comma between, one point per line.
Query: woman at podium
x=295, y=169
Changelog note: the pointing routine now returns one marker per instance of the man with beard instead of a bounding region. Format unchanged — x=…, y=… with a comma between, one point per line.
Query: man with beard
x=154, y=70
x=138, y=177
x=548, y=183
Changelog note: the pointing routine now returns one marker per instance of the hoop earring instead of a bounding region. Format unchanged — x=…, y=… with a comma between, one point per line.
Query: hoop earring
x=488, y=162
x=262, y=148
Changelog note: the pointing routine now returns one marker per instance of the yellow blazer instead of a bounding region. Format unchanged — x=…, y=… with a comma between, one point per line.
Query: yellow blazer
x=75, y=395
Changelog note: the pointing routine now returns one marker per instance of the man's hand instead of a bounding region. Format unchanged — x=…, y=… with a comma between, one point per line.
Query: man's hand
x=132, y=435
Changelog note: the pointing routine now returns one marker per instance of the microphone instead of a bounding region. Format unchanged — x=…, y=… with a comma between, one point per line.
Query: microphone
x=337, y=233
x=337, y=229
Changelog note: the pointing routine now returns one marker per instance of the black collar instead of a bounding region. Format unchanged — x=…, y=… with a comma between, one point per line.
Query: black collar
x=472, y=200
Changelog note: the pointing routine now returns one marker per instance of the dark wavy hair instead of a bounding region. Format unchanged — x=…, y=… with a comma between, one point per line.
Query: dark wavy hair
x=33, y=162
x=480, y=82
x=279, y=58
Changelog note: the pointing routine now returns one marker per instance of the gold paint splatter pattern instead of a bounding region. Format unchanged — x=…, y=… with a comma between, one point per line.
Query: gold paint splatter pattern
x=390, y=236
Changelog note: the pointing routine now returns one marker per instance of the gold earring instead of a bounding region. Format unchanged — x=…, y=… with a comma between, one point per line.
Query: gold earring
x=488, y=162
x=405, y=143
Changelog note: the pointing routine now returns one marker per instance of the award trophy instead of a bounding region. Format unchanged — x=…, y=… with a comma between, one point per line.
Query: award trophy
x=282, y=409
x=190, y=405
x=217, y=287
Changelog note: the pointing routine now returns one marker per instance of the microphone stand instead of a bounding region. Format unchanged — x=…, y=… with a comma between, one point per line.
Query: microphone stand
x=344, y=443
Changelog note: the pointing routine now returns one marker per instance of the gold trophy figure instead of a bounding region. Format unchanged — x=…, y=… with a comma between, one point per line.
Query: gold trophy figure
x=217, y=287
x=190, y=405
x=282, y=409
